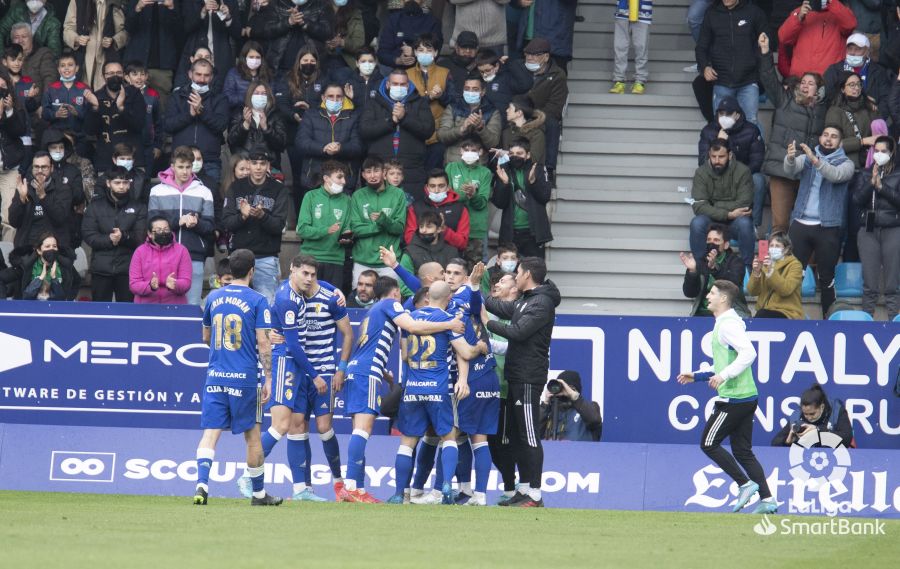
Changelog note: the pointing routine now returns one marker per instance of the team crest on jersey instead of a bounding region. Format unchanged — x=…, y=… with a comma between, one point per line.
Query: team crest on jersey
x=79, y=100
x=149, y=109
x=317, y=213
x=290, y=318
x=495, y=87
x=398, y=307
x=267, y=316
x=338, y=214
x=387, y=210
x=289, y=394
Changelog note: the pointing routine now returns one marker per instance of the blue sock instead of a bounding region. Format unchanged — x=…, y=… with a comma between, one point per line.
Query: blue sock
x=269, y=439
x=204, y=465
x=482, y=465
x=424, y=462
x=307, y=472
x=256, y=475
x=356, y=459
x=297, y=456
x=449, y=458
x=332, y=453
x=403, y=468
x=464, y=465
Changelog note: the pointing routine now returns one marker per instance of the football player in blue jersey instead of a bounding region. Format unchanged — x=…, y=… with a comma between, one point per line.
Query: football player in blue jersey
x=325, y=315
x=426, y=393
x=367, y=369
x=236, y=320
x=293, y=372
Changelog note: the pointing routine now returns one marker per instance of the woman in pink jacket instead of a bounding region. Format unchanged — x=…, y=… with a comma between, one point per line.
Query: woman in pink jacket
x=160, y=271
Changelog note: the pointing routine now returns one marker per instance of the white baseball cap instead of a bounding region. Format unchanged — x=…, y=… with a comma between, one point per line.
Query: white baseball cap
x=859, y=39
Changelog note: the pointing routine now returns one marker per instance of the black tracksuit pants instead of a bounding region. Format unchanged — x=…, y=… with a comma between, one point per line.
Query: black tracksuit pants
x=735, y=421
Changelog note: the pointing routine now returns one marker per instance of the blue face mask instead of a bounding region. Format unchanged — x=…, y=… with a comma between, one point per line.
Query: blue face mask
x=65, y=79
x=334, y=106
x=425, y=59
x=398, y=92
x=340, y=3
x=472, y=97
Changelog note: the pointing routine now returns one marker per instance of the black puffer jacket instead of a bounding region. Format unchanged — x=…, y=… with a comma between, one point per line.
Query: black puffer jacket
x=744, y=140
x=536, y=194
x=728, y=43
x=34, y=217
x=11, y=129
x=263, y=235
x=316, y=131
x=530, y=328
x=103, y=215
x=886, y=202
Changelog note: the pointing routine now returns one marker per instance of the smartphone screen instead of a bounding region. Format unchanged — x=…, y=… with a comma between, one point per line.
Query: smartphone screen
x=763, y=249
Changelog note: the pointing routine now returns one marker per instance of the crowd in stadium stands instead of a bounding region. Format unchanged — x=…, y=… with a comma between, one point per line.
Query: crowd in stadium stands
x=142, y=139
x=826, y=162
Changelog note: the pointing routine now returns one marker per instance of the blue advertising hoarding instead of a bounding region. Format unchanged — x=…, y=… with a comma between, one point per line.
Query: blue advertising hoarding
x=122, y=365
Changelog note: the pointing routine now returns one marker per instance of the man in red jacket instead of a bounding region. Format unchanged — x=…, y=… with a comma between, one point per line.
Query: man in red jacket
x=445, y=202
x=817, y=36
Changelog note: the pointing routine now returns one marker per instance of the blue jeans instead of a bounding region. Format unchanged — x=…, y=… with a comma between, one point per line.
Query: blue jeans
x=747, y=97
x=696, y=12
x=196, y=290
x=759, y=197
x=265, y=277
x=213, y=169
x=741, y=228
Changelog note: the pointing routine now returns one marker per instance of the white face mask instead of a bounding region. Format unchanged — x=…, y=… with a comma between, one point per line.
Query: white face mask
x=259, y=101
x=367, y=67
x=776, y=253
x=125, y=163
x=470, y=157
x=253, y=62
x=489, y=78
x=57, y=156
x=196, y=166
x=508, y=266
x=200, y=89
x=34, y=6
x=855, y=60
x=881, y=158
x=726, y=122
x=437, y=198
x=335, y=188
x=532, y=66
x=398, y=92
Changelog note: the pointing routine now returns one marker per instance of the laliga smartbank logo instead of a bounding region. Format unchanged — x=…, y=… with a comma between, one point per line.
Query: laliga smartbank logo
x=817, y=467
x=14, y=352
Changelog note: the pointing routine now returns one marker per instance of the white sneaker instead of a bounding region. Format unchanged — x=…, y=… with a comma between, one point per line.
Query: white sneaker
x=426, y=499
x=691, y=69
x=473, y=501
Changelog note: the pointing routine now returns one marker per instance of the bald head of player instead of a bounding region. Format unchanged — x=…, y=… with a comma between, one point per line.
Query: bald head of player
x=439, y=295
x=430, y=272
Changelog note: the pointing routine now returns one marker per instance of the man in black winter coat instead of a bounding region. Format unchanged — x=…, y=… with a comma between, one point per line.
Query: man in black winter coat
x=42, y=204
x=284, y=28
x=115, y=224
x=529, y=331
x=502, y=81
x=745, y=142
x=398, y=111
x=197, y=116
x=727, y=52
x=522, y=189
x=67, y=178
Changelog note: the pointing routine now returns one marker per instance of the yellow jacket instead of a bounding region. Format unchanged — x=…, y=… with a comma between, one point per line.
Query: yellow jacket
x=437, y=76
x=781, y=290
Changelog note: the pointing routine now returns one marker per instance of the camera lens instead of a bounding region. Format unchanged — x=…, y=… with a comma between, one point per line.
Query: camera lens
x=554, y=386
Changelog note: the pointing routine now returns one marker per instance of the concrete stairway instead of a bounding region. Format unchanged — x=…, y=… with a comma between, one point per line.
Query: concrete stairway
x=619, y=219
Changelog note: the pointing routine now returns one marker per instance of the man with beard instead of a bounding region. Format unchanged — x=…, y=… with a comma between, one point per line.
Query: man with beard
x=723, y=193
x=821, y=205
x=462, y=61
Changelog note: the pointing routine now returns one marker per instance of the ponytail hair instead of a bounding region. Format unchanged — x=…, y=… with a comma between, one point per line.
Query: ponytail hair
x=815, y=395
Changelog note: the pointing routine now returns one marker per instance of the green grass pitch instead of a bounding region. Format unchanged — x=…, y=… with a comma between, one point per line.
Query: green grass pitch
x=74, y=531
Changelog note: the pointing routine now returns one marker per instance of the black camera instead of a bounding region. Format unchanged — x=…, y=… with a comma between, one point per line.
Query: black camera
x=796, y=428
x=554, y=387
x=817, y=5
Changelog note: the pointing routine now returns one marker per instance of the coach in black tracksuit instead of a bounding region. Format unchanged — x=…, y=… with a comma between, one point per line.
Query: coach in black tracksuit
x=529, y=330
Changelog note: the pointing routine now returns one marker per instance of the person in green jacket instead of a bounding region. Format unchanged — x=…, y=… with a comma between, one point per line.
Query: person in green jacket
x=323, y=222
x=377, y=219
x=49, y=31
x=472, y=182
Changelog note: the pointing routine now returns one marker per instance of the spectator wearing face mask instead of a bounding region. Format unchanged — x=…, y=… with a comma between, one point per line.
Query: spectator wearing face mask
x=160, y=271
x=115, y=115
x=95, y=30
x=68, y=178
x=439, y=198
x=524, y=121
x=330, y=131
x=746, y=144
x=428, y=245
x=472, y=183
x=362, y=82
x=432, y=82
x=503, y=79
x=395, y=42
x=876, y=80
x=776, y=281
x=123, y=155
x=324, y=217
x=257, y=124
x=251, y=67
x=39, y=14
x=47, y=274
x=507, y=261
x=286, y=28
x=522, y=189
x=817, y=37
x=470, y=116
x=719, y=261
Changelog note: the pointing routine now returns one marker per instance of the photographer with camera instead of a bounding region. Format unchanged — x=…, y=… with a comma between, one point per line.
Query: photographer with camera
x=565, y=414
x=816, y=413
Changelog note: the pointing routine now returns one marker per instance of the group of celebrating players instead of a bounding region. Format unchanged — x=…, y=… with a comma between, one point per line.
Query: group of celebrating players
x=283, y=358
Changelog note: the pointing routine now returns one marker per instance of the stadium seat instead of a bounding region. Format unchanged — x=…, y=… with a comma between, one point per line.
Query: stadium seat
x=848, y=280
x=746, y=280
x=897, y=318
x=808, y=288
x=851, y=316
